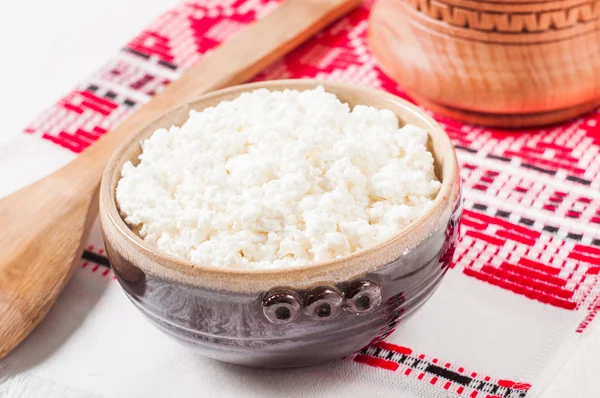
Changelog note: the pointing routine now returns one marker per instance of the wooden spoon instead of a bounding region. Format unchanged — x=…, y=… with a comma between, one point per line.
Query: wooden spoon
x=45, y=225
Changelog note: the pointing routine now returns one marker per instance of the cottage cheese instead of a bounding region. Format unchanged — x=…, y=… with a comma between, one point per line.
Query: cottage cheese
x=277, y=179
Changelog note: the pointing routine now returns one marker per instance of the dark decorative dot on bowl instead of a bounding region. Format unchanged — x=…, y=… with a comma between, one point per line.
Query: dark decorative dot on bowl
x=362, y=297
x=323, y=310
x=283, y=313
x=363, y=302
x=323, y=303
x=281, y=306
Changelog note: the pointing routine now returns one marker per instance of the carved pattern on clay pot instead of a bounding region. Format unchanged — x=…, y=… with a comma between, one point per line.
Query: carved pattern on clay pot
x=505, y=63
x=517, y=18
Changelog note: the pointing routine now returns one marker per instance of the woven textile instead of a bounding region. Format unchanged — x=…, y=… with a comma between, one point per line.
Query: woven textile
x=523, y=289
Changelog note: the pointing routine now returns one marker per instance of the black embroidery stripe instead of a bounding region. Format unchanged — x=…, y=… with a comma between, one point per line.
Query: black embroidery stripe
x=579, y=180
x=139, y=54
x=541, y=170
x=479, y=206
x=167, y=65
x=526, y=221
x=530, y=223
x=502, y=213
x=450, y=375
x=464, y=148
x=551, y=229
x=95, y=258
x=496, y=157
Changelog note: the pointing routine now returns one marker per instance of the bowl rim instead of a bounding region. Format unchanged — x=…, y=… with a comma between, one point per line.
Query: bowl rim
x=109, y=210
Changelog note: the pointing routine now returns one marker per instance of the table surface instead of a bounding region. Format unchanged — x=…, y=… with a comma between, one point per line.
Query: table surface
x=54, y=44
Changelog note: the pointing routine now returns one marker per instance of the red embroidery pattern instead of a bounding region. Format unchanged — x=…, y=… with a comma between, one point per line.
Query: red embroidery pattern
x=446, y=376
x=532, y=199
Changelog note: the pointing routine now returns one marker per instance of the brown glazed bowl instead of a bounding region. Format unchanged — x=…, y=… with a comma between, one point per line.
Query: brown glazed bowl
x=291, y=317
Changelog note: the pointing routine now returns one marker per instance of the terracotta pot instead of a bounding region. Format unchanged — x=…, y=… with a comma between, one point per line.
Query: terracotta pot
x=508, y=63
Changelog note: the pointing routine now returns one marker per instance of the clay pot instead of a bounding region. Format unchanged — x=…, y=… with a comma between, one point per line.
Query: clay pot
x=506, y=63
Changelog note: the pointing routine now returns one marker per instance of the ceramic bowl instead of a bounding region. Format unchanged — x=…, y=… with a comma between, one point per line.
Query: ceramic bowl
x=292, y=317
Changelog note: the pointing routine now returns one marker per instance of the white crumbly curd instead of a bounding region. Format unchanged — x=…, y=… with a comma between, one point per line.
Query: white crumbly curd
x=276, y=179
